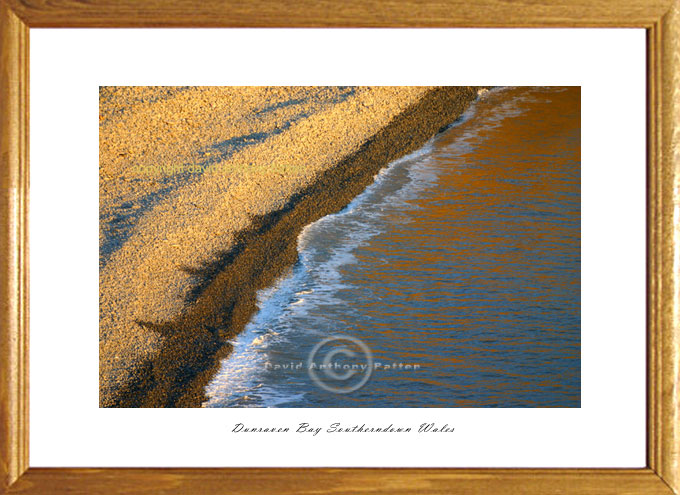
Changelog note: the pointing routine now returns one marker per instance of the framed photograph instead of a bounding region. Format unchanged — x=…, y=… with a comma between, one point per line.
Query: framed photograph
x=433, y=257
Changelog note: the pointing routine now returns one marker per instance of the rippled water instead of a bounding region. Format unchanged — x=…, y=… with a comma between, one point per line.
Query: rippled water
x=461, y=261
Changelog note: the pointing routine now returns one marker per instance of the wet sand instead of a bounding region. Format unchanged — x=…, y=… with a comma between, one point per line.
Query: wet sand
x=203, y=192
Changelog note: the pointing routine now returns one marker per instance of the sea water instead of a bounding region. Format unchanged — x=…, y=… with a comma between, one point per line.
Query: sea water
x=458, y=269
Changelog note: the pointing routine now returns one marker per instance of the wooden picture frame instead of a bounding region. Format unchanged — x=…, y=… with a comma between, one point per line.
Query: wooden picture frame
x=660, y=18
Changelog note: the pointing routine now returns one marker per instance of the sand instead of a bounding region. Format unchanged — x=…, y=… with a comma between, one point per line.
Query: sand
x=203, y=192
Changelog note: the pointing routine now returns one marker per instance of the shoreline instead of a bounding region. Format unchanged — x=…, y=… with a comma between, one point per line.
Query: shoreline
x=224, y=298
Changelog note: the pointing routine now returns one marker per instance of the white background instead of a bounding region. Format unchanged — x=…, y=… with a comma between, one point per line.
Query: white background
x=67, y=66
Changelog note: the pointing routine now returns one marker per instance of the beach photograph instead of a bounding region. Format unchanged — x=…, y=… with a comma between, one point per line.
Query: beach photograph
x=339, y=246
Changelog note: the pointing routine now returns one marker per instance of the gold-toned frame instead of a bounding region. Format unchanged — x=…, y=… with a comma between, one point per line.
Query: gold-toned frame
x=661, y=19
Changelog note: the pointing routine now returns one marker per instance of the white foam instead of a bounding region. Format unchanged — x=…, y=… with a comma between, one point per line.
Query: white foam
x=317, y=277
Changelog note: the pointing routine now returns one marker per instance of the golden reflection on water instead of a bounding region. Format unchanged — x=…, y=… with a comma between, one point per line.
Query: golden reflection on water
x=483, y=280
